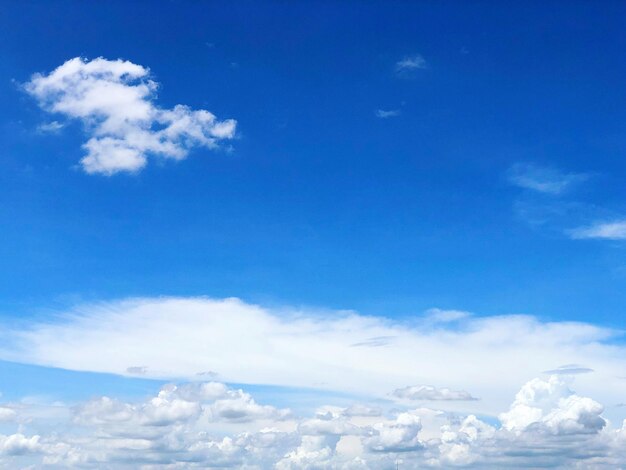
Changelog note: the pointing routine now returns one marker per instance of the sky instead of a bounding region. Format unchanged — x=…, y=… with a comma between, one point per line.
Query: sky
x=312, y=235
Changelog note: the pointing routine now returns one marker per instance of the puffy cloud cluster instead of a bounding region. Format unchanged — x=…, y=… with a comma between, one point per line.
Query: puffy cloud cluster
x=184, y=426
x=114, y=101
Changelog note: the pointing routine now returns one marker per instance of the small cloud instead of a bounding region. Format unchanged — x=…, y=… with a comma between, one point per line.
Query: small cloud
x=411, y=63
x=374, y=342
x=207, y=374
x=543, y=179
x=430, y=393
x=569, y=369
x=50, y=127
x=137, y=370
x=436, y=315
x=362, y=410
x=604, y=230
x=381, y=113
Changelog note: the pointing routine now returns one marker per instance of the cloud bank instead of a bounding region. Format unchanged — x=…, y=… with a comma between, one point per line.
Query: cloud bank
x=178, y=338
x=210, y=425
x=114, y=99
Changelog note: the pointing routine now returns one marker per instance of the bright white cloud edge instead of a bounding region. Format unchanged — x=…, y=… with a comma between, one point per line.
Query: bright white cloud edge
x=114, y=99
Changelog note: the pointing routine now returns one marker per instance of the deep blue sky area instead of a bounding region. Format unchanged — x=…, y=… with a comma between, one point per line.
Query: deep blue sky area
x=321, y=202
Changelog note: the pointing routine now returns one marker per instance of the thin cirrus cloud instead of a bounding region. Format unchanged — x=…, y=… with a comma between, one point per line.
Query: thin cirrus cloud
x=603, y=230
x=177, y=338
x=430, y=393
x=410, y=63
x=383, y=114
x=542, y=179
x=114, y=100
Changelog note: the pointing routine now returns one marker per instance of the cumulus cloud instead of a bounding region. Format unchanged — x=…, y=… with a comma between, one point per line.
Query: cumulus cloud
x=245, y=343
x=114, y=99
x=603, y=230
x=543, y=179
x=548, y=425
x=428, y=392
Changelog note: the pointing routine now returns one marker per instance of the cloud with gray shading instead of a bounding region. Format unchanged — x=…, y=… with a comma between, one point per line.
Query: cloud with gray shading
x=114, y=100
x=568, y=369
x=430, y=393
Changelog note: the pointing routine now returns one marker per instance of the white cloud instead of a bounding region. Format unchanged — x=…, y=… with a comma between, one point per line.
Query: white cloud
x=341, y=351
x=547, y=426
x=428, y=392
x=50, y=127
x=114, y=100
x=437, y=315
x=381, y=113
x=543, y=179
x=410, y=64
x=604, y=230
x=569, y=369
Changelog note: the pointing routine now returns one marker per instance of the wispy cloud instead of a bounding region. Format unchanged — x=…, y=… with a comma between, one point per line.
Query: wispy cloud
x=50, y=127
x=409, y=64
x=383, y=114
x=569, y=369
x=115, y=101
x=603, y=230
x=543, y=179
x=430, y=393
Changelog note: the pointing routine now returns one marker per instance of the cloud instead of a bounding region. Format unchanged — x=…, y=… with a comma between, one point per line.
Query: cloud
x=409, y=64
x=568, y=369
x=437, y=315
x=175, y=338
x=428, y=392
x=543, y=179
x=603, y=230
x=114, y=99
x=381, y=113
x=50, y=127
x=547, y=425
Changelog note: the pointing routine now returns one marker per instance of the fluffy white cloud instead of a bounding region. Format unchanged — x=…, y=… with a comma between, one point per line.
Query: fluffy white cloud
x=428, y=392
x=547, y=426
x=604, y=230
x=114, y=101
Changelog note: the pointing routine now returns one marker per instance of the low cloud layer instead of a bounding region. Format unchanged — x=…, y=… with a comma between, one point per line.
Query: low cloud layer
x=200, y=425
x=114, y=100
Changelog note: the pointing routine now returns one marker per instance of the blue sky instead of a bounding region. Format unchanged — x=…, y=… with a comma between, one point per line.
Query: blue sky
x=387, y=160
x=321, y=202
